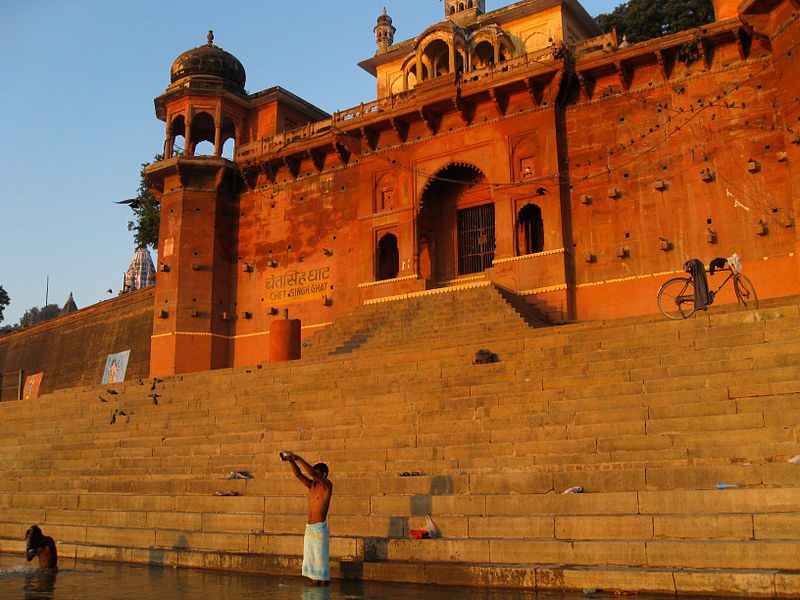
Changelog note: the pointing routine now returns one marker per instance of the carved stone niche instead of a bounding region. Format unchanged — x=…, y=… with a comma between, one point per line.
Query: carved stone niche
x=527, y=167
x=384, y=198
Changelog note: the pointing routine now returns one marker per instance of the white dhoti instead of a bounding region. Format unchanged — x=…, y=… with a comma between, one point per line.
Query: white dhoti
x=316, y=552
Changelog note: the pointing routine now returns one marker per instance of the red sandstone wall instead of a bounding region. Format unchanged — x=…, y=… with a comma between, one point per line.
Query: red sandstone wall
x=784, y=50
x=717, y=113
x=637, y=125
x=291, y=225
x=658, y=152
x=71, y=350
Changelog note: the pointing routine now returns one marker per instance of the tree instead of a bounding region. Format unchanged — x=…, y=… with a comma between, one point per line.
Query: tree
x=640, y=20
x=36, y=315
x=147, y=212
x=4, y=301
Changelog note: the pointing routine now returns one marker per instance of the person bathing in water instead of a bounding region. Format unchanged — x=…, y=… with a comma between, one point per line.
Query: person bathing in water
x=43, y=546
x=316, y=544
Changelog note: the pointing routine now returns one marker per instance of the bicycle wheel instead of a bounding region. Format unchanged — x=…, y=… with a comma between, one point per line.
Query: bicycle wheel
x=745, y=292
x=676, y=298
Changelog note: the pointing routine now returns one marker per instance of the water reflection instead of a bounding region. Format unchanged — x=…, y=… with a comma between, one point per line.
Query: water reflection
x=79, y=580
x=39, y=586
x=317, y=593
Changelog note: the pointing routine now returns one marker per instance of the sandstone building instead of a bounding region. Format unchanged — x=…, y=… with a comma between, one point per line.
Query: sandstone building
x=518, y=145
x=512, y=156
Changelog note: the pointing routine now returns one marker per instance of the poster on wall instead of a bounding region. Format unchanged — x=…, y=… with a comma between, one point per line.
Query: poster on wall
x=116, y=365
x=32, y=383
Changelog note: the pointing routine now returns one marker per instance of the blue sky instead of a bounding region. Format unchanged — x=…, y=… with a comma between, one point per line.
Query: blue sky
x=77, y=116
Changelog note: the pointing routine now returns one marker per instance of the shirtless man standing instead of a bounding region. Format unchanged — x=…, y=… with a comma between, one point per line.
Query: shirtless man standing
x=316, y=544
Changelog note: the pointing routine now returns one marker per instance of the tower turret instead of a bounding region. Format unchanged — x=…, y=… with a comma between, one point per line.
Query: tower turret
x=196, y=187
x=463, y=11
x=384, y=31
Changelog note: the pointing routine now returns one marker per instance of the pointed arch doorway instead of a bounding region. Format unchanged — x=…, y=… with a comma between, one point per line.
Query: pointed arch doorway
x=455, y=225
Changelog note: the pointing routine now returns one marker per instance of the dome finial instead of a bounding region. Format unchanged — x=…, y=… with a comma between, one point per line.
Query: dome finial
x=209, y=60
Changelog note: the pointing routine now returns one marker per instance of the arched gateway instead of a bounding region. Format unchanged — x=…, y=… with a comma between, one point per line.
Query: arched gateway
x=455, y=225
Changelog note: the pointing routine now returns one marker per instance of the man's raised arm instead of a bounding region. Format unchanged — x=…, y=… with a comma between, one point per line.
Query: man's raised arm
x=298, y=461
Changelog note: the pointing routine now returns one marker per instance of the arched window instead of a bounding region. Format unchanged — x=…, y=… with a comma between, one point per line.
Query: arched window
x=387, y=258
x=227, y=149
x=505, y=50
x=530, y=229
x=228, y=140
x=411, y=76
x=202, y=131
x=436, y=59
x=176, y=144
x=483, y=55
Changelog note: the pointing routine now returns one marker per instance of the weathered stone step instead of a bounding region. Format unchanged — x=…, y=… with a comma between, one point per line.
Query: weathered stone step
x=746, y=500
x=654, y=554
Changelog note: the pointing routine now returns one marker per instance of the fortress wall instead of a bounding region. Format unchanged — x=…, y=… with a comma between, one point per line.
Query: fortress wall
x=72, y=350
x=639, y=155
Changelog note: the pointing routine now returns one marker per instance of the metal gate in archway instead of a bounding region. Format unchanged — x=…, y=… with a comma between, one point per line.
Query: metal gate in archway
x=475, y=239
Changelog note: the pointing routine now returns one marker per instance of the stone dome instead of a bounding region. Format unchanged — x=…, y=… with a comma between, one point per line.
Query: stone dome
x=209, y=60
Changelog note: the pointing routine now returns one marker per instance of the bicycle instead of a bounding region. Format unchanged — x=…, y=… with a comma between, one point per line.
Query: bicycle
x=676, y=296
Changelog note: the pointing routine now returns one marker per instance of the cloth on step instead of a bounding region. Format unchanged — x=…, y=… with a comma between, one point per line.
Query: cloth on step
x=316, y=550
x=698, y=271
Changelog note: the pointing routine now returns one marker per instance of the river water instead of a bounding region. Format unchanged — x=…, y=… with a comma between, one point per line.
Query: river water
x=83, y=580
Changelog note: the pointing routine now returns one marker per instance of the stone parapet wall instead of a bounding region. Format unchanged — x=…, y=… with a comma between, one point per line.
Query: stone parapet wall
x=72, y=350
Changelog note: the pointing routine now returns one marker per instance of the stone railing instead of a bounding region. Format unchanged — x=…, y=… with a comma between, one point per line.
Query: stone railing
x=607, y=41
x=366, y=110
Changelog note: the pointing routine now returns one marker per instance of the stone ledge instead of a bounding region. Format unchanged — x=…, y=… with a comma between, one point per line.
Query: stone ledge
x=533, y=577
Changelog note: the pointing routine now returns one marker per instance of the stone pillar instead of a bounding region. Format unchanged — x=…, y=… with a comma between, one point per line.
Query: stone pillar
x=188, y=147
x=168, y=142
x=218, y=132
x=284, y=338
x=217, y=140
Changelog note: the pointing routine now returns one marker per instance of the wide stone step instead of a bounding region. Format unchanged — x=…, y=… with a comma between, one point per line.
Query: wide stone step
x=647, y=415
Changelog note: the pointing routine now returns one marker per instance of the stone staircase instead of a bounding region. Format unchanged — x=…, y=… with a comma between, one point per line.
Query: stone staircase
x=475, y=313
x=647, y=415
